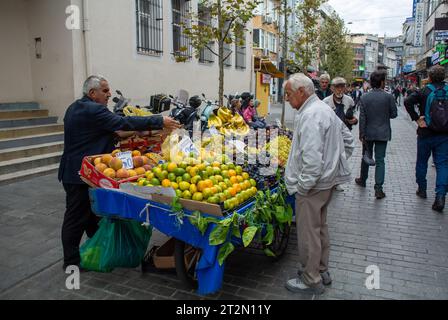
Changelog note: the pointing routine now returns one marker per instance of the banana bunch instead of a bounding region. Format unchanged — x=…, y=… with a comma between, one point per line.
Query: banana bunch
x=279, y=148
x=131, y=111
x=214, y=121
x=229, y=124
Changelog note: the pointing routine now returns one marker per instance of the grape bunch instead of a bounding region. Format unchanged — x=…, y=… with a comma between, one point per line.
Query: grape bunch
x=281, y=152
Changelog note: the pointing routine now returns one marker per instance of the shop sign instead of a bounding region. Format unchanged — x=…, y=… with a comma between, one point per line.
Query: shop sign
x=441, y=35
x=266, y=78
x=419, y=24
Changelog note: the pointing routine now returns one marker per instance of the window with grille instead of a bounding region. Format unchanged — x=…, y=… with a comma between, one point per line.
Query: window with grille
x=227, y=50
x=181, y=43
x=149, y=27
x=205, y=19
x=240, y=54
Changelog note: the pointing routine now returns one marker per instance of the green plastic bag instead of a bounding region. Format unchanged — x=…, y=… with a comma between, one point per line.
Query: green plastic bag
x=117, y=243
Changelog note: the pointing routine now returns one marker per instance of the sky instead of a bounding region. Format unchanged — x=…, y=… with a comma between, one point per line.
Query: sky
x=374, y=16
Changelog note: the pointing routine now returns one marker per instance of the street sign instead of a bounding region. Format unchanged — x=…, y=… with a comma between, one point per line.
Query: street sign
x=441, y=35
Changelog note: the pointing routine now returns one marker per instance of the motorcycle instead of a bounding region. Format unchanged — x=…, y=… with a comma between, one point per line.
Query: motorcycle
x=120, y=103
x=186, y=113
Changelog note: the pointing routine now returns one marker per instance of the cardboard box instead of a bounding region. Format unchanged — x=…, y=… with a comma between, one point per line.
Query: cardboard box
x=98, y=179
x=207, y=208
x=163, y=257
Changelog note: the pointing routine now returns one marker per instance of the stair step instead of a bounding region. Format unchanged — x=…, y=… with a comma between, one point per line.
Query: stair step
x=30, y=130
x=31, y=150
x=31, y=140
x=16, y=165
x=19, y=106
x=26, y=122
x=19, y=114
x=27, y=174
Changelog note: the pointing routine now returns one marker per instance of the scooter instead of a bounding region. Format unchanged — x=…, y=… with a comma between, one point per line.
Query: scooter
x=120, y=103
x=207, y=111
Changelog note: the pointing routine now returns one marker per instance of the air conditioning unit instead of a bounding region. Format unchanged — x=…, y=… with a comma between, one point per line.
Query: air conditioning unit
x=267, y=19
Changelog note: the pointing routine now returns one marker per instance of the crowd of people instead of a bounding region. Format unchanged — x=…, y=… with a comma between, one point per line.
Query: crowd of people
x=323, y=142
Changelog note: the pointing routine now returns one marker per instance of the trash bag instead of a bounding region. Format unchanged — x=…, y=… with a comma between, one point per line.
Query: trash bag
x=117, y=243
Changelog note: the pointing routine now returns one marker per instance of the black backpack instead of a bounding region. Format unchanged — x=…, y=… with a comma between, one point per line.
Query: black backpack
x=436, y=109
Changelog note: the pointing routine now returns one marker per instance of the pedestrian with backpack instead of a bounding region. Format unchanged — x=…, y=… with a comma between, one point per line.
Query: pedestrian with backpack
x=432, y=133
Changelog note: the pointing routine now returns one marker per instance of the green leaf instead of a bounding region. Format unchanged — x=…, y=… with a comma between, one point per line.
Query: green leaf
x=269, y=252
x=224, y=251
x=280, y=214
x=226, y=222
x=248, y=235
x=269, y=237
x=218, y=235
x=236, y=231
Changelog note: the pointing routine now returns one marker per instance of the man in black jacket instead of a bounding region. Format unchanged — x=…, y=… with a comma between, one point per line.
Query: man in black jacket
x=324, y=90
x=89, y=129
x=429, y=141
x=376, y=109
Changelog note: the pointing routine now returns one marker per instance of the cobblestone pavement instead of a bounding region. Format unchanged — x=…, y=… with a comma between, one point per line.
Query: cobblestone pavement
x=400, y=234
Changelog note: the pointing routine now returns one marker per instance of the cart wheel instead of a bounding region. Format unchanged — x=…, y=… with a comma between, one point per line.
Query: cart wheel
x=280, y=242
x=186, y=258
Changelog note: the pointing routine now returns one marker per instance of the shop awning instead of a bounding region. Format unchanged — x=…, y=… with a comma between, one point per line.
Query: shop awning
x=266, y=66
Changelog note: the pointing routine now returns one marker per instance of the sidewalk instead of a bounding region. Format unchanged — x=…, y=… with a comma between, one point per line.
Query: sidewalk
x=400, y=234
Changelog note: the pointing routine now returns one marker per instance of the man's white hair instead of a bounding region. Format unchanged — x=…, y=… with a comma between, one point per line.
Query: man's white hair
x=92, y=82
x=325, y=76
x=299, y=80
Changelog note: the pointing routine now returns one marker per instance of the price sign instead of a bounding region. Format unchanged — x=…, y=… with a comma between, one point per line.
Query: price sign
x=213, y=131
x=126, y=158
x=187, y=146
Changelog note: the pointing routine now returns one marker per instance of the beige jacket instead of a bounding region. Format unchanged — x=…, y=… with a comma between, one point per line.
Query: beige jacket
x=320, y=148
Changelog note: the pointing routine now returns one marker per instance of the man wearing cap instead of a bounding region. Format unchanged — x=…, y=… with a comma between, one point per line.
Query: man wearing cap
x=324, y=89
x=341, y=103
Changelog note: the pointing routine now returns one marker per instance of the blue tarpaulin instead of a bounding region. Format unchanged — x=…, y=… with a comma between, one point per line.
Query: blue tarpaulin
x=113, y=203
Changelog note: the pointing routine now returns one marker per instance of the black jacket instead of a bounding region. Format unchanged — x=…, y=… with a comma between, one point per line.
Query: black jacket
x=418, y=98
x=376, y=109
x=323, y=94
x=89, y=130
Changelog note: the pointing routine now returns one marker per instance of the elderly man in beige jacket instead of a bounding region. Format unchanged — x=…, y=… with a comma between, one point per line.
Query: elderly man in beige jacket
x=317, y=163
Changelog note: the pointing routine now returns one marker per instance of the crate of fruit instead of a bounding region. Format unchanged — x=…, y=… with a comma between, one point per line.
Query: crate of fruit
x=112, y=169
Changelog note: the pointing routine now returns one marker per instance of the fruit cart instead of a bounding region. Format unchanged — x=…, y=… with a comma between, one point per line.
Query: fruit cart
x=196, y=261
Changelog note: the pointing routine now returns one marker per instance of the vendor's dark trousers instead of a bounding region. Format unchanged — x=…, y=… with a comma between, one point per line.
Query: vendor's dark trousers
x=438, y=146
x=78, y=219
x=380, y=166
x=312, y=234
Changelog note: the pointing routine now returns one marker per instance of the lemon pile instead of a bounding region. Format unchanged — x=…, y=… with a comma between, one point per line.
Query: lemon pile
x=212, y=182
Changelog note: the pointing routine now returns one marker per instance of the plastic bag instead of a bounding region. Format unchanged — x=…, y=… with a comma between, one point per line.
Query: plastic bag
x=117, y=243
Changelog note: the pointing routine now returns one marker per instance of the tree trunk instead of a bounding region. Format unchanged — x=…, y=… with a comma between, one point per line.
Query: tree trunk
x=285, y=58
x=221, y=57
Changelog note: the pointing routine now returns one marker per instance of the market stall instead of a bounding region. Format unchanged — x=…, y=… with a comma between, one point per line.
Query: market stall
x=196, y=193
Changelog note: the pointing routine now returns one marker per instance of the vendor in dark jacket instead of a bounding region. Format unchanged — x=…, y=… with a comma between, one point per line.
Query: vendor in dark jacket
x=90, y=129
x=324, y=90
x=429, y=142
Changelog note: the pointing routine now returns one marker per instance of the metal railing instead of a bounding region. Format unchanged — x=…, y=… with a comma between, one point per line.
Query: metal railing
x=149, y=27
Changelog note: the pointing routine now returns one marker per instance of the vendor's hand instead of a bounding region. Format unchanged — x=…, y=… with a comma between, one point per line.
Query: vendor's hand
x=421, y=122
x=170, y=124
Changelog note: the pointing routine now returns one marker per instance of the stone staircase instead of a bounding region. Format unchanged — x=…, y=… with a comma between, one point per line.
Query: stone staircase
x=31, y=141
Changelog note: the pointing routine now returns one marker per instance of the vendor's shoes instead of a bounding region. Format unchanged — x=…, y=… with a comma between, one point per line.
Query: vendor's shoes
x=360, y=182
x=379, y=194
x=297, y=285
x=326, y=278
x=439, y=204
x=421, y=193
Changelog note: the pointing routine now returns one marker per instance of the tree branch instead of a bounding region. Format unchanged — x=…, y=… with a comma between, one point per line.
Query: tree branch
x=212, y=51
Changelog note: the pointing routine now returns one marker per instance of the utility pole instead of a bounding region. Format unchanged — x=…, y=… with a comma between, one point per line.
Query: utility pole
x=285, y=55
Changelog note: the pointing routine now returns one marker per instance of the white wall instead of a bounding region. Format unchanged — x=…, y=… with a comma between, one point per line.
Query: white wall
x=53, y=74
x=15, y=68
x=113, y=54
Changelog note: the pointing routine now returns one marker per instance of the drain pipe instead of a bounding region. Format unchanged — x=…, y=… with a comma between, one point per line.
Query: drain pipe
x=86, y=36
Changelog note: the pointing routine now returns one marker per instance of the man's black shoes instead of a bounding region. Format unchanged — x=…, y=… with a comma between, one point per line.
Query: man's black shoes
x=439, y=204
x=421, y=193
x=379, y=194
x=360, y=182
